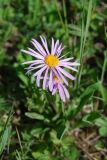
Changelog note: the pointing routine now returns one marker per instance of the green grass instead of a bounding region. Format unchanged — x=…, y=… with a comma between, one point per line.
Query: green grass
x=33, y=124
x=84, y=35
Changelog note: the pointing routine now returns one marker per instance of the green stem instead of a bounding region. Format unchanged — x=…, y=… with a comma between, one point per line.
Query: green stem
x=65, y=17
x=104, y=67
x=84, y=35
x=60, y=15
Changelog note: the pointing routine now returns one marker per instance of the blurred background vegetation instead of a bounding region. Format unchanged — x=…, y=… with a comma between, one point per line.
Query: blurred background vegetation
x=33, y=124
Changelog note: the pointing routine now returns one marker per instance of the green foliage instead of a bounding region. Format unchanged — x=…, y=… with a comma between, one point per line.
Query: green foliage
x=102, y=124
x=4, y=140
x=39, y=126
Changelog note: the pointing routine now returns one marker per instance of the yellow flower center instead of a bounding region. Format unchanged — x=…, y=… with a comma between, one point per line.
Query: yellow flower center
x=57, y=80
x=51, y=60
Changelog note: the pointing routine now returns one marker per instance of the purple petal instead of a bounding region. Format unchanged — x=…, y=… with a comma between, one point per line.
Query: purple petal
x=56, y=73
x=39, y=55
x=51, y=81
x=67, y=59
x=61, y=92
x=37, y=62
x=61, y=51
x=62, y=56
x=69, y=67
x=38, y=47
x=39, y=76
x=40, y=71
x=63, y=78
x=34, y=68
x=43, y=39
x=70, y=63
x=52, y=46
x=29, y=62
x=54, y=89
x=55, y=48
x=33, y=62
x=38, y=80
x=66, y=92
x=66, y=73
x=45, y=78
x=36, y=55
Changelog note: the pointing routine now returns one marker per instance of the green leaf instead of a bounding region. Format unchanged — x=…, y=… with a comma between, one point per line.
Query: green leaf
x=103, y=92
x=36, y=132
x=18, y=156
x=23, y=78
x=101, y=122
x=103, y=131
x=35, y=116
x=54, y=137
x=91, y=117
x=45, y=155
x=86, y=96
x=74, y=154
x=4, y=139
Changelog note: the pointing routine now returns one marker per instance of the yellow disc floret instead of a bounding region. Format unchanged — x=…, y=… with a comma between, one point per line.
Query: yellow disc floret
x=56, y=79
x=51, y=60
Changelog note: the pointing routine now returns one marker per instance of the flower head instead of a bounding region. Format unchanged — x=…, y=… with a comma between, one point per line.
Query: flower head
x=48, y=63
x=60, y=87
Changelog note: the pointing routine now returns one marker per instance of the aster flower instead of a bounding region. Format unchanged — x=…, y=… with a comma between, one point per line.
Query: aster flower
x=48, y=63
x=60, y=87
